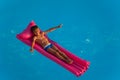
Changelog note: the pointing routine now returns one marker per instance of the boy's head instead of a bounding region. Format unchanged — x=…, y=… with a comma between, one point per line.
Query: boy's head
x=35, y=30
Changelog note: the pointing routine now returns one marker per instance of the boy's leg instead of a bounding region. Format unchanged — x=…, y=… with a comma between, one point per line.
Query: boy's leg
x=55, y=53
x=61, y=53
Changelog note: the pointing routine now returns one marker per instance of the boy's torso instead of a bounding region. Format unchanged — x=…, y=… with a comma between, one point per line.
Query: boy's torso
x=42, y=40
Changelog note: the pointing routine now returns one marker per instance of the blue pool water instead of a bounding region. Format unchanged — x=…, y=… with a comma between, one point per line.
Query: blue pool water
x=90, y=31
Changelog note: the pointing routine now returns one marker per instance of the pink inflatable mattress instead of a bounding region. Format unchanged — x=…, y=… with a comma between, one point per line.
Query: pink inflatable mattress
x=78, y=67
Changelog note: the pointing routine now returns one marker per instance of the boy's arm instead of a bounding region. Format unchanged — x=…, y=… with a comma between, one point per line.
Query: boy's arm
x=54, y=28
x=33, y=43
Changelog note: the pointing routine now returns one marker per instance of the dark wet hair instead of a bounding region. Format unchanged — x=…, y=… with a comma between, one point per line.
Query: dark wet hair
x=33, y=28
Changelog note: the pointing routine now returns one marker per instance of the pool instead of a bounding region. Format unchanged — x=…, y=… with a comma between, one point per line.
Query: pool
x=90, y=31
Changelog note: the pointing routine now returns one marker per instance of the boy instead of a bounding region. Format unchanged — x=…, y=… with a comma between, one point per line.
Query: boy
x=46, y=45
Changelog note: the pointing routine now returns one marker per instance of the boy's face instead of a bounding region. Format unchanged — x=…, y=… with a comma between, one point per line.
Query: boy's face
x=36, y=31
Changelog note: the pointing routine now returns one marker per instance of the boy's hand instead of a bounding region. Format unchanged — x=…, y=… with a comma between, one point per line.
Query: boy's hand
x=31, y=50
x=59, y=26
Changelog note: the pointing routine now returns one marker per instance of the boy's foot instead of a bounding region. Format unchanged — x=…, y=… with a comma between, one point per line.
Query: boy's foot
x=69, y=61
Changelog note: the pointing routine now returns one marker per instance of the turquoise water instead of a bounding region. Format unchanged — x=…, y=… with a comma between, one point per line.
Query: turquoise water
x=90, y=30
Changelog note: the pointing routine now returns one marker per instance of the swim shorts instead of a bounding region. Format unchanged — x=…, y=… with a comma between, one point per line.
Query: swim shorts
x=48, y=46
